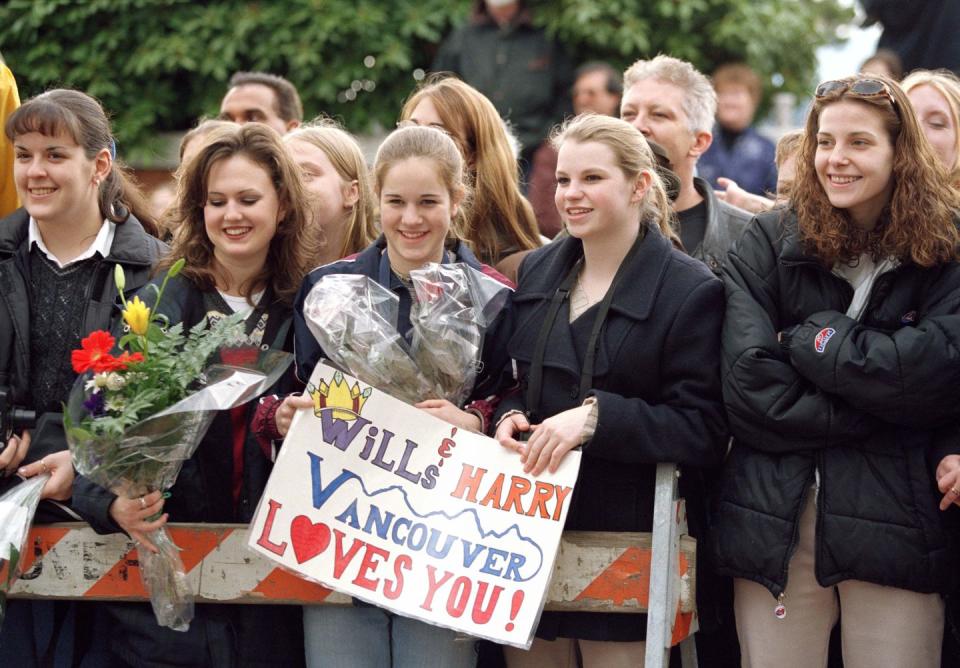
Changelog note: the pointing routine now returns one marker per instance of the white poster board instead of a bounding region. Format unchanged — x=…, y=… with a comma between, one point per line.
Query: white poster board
x=380, y=500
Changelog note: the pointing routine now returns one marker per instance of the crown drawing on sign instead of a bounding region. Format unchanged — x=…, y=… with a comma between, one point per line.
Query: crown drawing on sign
x=346, y=401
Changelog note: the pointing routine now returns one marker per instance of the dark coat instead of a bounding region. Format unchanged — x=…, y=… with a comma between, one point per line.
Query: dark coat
x=524, y=72
x=132, y=248
x=657, y=385
x=725, y=224
x=871, y=405
x=374, y=263
x=220, y=634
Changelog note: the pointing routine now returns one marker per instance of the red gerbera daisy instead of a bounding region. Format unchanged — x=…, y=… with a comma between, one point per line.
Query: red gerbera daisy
x=94, y=353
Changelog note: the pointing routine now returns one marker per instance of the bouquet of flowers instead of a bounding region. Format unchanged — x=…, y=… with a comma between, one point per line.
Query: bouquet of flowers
x=133, y=418
x=17, y=508
x=355, y=320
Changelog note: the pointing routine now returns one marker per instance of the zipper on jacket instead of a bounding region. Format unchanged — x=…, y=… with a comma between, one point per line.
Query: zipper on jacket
x=780, y=610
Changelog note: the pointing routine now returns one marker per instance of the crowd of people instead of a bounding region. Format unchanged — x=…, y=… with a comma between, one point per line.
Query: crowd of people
x=783, y=322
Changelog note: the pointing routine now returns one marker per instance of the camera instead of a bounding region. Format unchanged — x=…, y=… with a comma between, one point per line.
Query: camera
x=13, y=418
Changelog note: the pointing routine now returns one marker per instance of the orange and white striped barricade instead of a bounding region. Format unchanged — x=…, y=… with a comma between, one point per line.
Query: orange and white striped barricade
x=594, y=571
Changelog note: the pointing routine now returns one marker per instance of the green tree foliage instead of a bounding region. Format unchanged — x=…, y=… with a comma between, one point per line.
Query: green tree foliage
x=159, y=64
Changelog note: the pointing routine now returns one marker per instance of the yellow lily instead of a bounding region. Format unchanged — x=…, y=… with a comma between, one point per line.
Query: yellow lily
x=137, y=316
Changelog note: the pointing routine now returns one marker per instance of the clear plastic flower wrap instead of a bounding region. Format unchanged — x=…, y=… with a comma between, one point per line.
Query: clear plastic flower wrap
x=148, y=456
x=355, y=321
x=455, y=304
x=17, y=508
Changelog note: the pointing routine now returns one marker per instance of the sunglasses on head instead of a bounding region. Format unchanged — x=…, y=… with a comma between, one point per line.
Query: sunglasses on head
x=860, y=87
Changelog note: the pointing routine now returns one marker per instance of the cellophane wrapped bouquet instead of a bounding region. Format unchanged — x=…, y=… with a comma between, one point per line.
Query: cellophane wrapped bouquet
x=17, y=508
x=355, y=321
x=133, y=418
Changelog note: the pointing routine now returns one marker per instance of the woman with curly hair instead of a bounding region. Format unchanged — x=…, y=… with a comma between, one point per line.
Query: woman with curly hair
x=501, y=221
x=242, y=224
x=841, y=359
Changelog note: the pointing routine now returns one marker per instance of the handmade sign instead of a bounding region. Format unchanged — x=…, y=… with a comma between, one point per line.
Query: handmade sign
x=380, y=500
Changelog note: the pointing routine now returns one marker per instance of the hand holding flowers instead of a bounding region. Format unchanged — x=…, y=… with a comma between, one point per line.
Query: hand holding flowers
x=135, y=416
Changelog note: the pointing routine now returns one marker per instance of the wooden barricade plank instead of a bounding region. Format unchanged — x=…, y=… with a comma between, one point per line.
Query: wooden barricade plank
x=598, y=571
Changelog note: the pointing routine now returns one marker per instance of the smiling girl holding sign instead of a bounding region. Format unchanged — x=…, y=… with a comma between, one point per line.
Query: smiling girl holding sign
x=616, y=344
x=419, y=178
x=841, y=363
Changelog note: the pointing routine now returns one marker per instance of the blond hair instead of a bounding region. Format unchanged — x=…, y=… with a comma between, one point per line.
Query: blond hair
x=632, y=155
x=346, y=157
x=947, y=84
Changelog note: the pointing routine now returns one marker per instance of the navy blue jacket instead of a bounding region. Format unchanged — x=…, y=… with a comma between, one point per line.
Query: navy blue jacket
x=749, y=161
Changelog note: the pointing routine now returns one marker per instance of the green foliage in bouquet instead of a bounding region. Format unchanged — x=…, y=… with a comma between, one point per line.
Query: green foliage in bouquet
x=159, y=364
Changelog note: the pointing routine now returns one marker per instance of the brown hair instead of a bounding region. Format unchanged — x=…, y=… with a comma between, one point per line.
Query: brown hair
x=430, y=144
x=347, y=158
x=919, y=222
x=292, y=251
x=501, y=218
x=632, y=154
x=738, y=74
x=81, y=116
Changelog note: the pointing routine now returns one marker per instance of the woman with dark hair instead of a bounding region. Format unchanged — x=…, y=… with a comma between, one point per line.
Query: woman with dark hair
x=242, y=224
x=841, y=359
x=81, y=219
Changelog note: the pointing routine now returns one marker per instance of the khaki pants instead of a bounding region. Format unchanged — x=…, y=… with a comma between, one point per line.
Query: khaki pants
x=881, y=626
x=562, y=653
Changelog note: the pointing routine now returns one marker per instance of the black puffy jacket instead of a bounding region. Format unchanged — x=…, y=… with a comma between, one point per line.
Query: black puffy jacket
x=871, y=405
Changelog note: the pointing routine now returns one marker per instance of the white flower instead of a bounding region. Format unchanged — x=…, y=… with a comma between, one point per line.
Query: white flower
x=100, y=380
x=115, y=381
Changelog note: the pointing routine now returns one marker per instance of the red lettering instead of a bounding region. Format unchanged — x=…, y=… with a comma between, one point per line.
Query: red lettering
x=562, y=493
x=468, y=483
x=433, y=585
x=393, y=588
x=341, y=560
x=480, y=614
x=369, y=563
x=493, y=495
x=264, y=540
x=544, y=491
x=518, y=487
x=456, y=607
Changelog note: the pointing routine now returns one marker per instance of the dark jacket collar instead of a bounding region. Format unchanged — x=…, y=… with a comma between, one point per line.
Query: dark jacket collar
x=131, y=244
x=635, y=294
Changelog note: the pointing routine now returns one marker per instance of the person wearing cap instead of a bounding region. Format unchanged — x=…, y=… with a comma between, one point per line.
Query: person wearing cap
x=672, y=103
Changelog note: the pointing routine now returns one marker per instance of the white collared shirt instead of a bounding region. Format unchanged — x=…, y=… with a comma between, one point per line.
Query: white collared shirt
x=101, y=244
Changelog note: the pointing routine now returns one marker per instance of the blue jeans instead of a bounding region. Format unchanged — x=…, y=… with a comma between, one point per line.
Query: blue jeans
x=368, y=637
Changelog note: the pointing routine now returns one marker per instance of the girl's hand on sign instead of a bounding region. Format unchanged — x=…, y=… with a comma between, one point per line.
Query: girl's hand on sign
x=448, y=412
x=134, y=517
x=553, y=439
x=288, y=408
x=510, y=426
